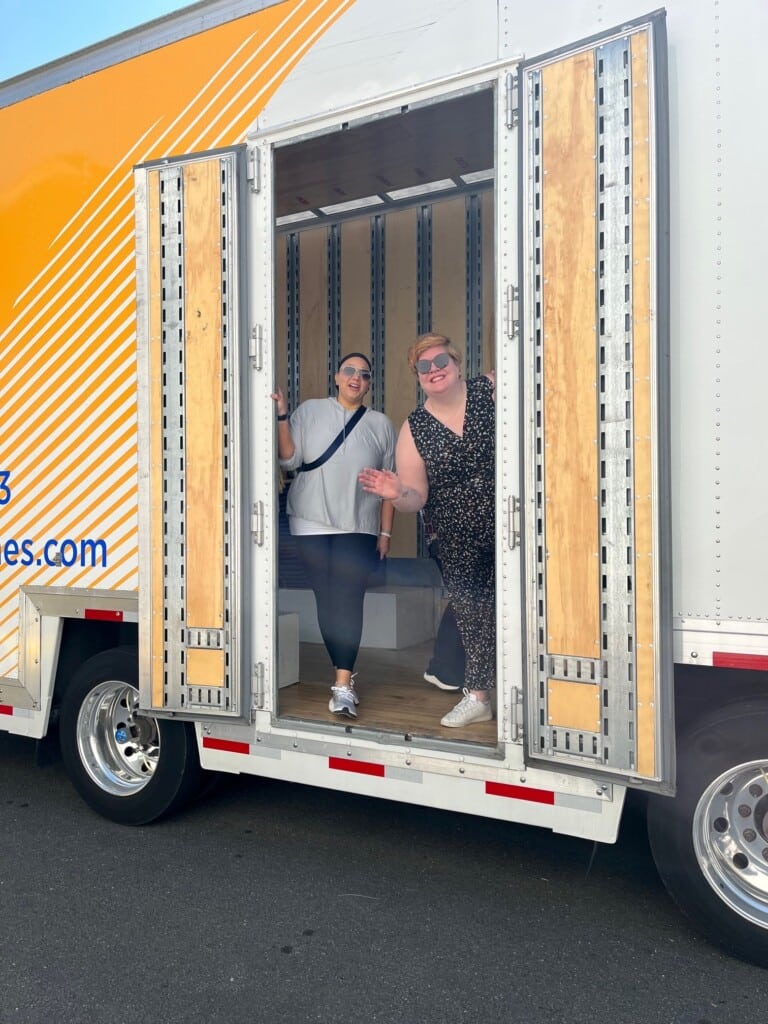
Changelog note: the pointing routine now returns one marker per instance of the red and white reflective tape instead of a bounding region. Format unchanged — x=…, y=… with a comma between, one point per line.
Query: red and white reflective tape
x=382, y=771
x=229, y=746
x=344, y=764
x=536, y=796
x=8, y=709
x=110, y=615
x=726, y=659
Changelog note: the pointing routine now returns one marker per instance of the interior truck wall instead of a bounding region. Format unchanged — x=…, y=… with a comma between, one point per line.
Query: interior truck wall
x=67, y=295
x=410, y=302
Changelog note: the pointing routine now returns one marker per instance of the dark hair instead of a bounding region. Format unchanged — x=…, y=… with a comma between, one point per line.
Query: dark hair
x=349, y=355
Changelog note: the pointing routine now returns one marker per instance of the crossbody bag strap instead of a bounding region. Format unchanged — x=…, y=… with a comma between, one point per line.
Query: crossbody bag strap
x=345, y=431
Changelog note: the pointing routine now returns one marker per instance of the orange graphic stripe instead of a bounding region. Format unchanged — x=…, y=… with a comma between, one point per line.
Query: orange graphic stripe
x=68, y=352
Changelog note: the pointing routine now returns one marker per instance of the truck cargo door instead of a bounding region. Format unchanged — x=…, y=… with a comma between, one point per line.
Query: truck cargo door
x=193, y=560
x=599, y=685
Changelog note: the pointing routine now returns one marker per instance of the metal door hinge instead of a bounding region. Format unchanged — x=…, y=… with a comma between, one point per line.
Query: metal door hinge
x=512, y=312
x=257, y=522
x=256, y=346
x=511, y=115
x=253, y=172
x=257, y=692
x=513, y=521
x=516, y=709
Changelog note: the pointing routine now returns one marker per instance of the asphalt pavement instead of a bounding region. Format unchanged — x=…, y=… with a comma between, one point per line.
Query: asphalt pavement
x=270, y=902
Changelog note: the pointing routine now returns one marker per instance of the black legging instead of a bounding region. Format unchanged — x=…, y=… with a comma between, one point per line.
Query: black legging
x=338, y=566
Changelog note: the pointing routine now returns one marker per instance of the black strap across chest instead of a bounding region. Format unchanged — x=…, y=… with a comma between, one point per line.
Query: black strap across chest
x=345, y=431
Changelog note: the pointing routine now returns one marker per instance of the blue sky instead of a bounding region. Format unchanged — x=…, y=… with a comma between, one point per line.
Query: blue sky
x=37, y=31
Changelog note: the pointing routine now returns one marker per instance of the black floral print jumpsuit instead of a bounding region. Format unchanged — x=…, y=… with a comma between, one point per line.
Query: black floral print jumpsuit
x=460, y=507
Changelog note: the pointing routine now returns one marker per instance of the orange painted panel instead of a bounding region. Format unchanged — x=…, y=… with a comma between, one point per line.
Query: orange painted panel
x=67, y=292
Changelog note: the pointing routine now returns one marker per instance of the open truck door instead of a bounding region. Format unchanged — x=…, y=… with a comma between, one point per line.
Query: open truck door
x=193, y=558
x=595, y=330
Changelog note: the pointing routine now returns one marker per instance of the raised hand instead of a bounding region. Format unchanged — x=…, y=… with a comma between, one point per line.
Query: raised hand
x=279, y=400
x=382, y=482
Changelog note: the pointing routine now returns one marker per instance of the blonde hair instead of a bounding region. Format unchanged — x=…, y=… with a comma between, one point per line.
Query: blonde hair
x=430, y=340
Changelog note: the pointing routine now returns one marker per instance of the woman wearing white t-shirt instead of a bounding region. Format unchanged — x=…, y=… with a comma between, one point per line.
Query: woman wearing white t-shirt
x=339, y=530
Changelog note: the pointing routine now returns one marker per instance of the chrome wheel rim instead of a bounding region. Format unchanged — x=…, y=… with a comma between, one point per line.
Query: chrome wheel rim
x=730, y=837
x=118, y=746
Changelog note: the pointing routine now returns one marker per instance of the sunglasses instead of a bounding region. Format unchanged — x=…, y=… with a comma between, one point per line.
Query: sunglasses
x=439, y=362
x=352, y=371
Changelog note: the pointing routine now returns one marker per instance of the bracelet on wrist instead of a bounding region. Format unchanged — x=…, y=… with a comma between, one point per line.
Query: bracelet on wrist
x=383, y=533
x=282, y=417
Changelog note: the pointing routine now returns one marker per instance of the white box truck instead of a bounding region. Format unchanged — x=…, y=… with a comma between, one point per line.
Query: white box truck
x=232, y=197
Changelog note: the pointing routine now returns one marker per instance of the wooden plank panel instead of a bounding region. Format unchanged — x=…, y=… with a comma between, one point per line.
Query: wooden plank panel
x=204, y=667
x=570, y=458
x=203, y=396
x=281, y=312
x=356, y=286
x=394, y=697
x=449, y=270
x=313, y=313
x=155, y=440
x=488, y=242
x=400, y=332
x=643, y=406
x=573, y=705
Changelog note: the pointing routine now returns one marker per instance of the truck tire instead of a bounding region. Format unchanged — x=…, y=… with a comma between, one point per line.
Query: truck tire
x=710, y=843
x=127, y=766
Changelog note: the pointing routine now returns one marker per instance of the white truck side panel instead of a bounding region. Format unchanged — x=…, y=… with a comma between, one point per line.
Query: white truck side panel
x=719, y=309
x=376, y=48
x=563, y=803
x=718, y=299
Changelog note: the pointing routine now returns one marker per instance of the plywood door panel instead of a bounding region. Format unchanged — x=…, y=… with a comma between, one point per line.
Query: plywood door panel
x=205, y=668
x=191, y=343
x=595, y=253
x=573, y=705
x=570, y=415
x=204, y=443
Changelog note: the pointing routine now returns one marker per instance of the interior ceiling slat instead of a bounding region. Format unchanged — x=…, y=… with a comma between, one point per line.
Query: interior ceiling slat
x=430, y=143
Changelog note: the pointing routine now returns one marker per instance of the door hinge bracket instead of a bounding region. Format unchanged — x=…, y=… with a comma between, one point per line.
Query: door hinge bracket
x=256, y=346
x=511, y=115
x=512, y=312
x=516, y=709
x=253, y=171
x=257, y=522
x=257, y=692
x=513, y=521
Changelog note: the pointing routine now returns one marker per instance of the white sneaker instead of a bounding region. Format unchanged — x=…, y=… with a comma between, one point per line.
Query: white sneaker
x=440, y=684
x=343, y=700
x=467, y=711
